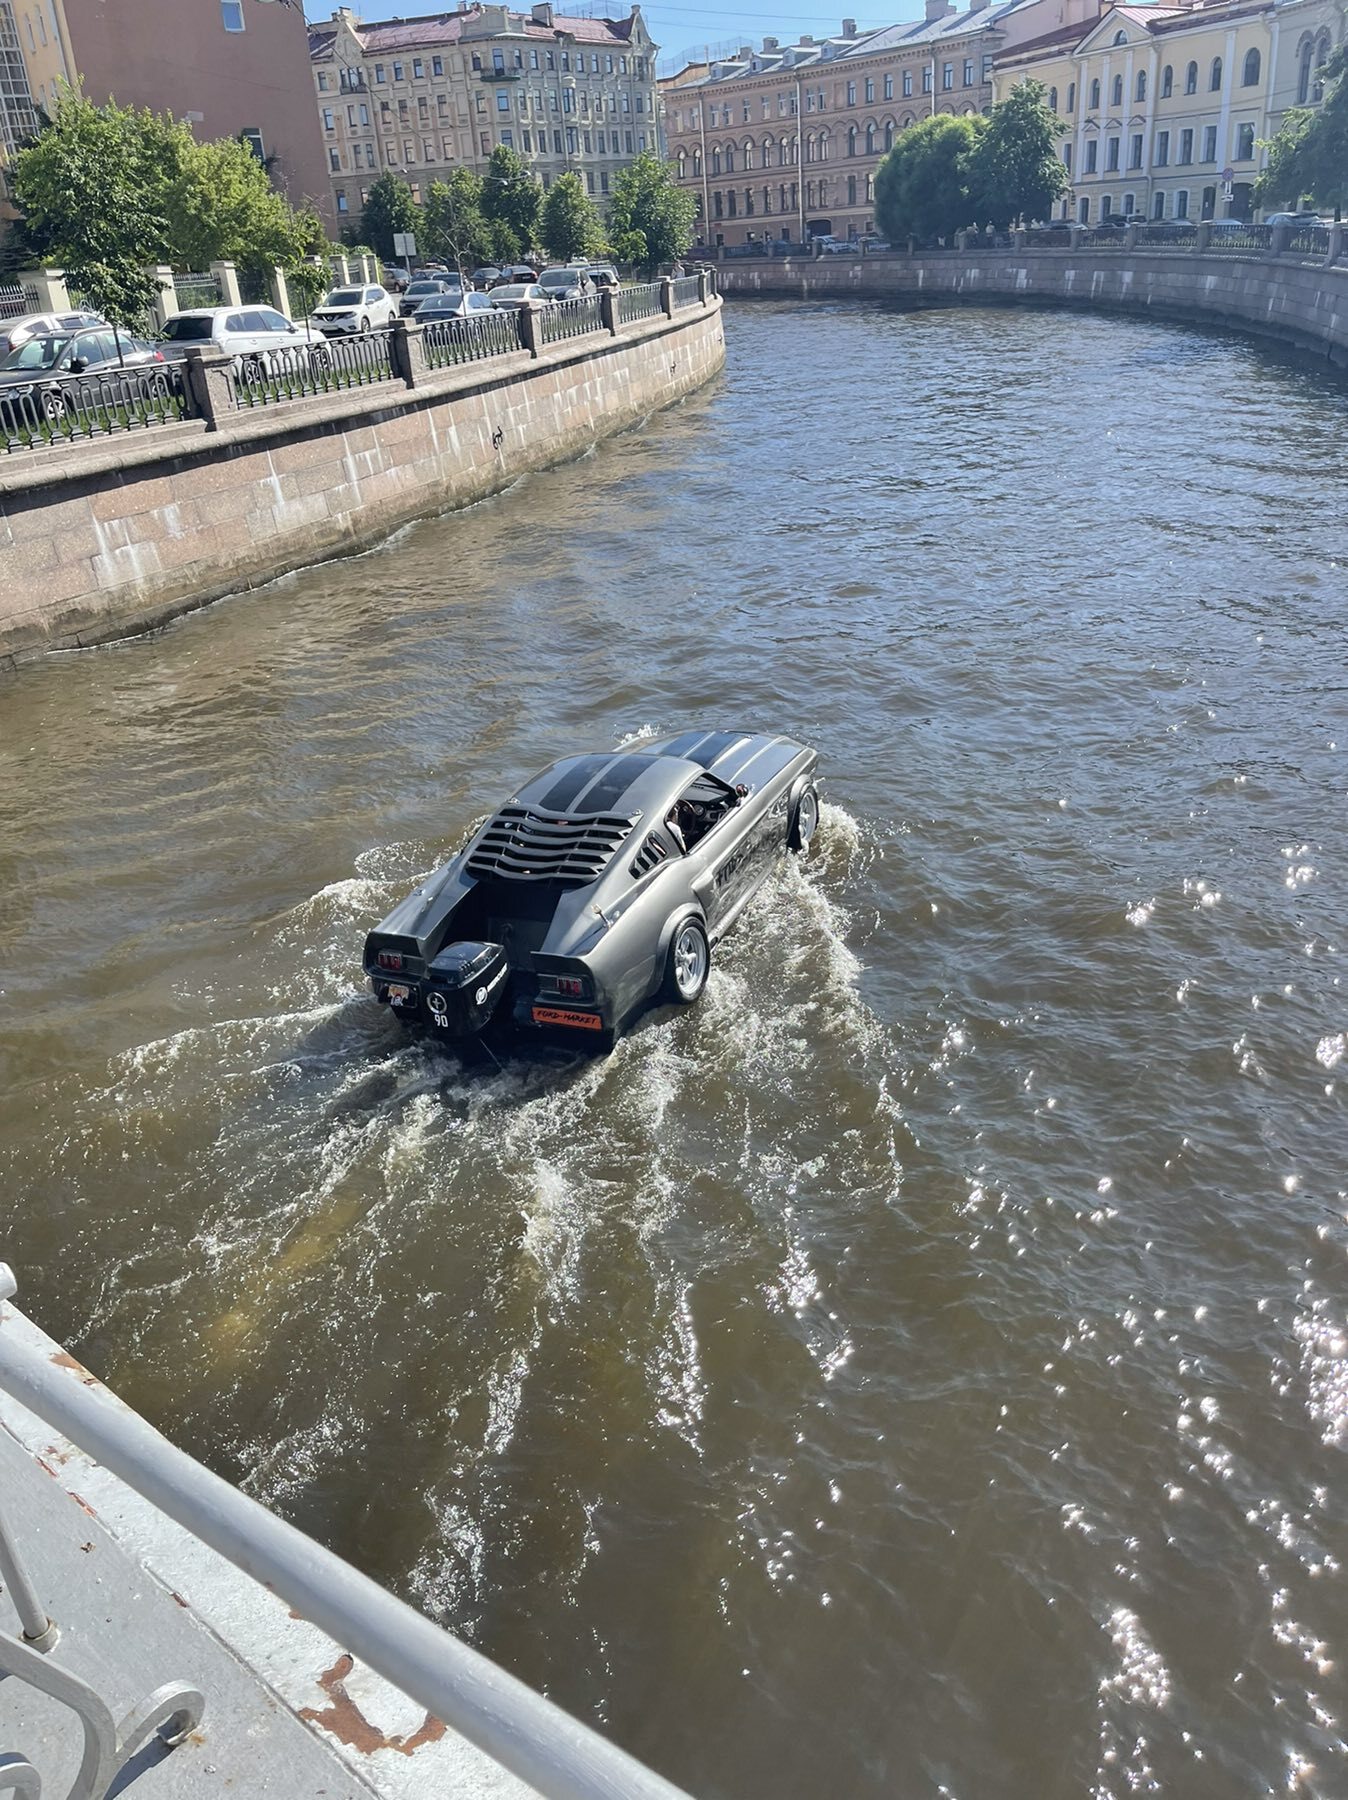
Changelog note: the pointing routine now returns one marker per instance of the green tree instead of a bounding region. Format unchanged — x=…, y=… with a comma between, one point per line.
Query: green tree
x=94, y=204
x=924, y=187
x=389, y=208
x=570, y=225
x=454, y=226
x=1308, y=157
x=1016, y=171
x=650, y=219
x=221, y=207
x=511, y=199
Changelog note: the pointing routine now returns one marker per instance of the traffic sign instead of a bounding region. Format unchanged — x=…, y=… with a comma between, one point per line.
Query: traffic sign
x=404, y=243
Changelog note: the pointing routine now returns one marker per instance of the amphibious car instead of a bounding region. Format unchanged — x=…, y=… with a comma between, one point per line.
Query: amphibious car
x=598, y=889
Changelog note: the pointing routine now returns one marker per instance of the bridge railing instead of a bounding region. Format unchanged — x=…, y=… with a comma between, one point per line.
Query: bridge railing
x=100, y=403
x=524, y=1733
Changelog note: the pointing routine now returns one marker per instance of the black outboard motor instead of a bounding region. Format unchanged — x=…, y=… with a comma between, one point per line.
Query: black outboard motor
x=464, y=986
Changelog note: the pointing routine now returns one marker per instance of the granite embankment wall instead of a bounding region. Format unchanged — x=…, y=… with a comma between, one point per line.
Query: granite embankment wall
x=1304, y=304
x=101, y=539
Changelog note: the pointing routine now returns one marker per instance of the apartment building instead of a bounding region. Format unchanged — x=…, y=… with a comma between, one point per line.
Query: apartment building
x=424, y=96
x=231, y=68
x=784, y=142
x=1163, y=108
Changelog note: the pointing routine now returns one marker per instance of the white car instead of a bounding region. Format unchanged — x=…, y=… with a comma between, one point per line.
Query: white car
x=250, y=334
x=355, y=309
x=14, y=332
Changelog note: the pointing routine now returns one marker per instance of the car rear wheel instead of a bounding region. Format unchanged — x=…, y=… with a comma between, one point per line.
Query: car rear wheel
x=688, y=964
x=805, y=821
x=53, y=407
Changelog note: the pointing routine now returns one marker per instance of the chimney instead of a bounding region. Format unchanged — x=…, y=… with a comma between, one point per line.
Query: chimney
x=744, y=53
x=938, y=9
x=769, y=43
x=541, y=14
x=978, y=6
x=805, y=38
x=850, y=27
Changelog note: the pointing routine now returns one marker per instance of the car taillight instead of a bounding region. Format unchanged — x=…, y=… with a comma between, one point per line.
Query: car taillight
x=570, y=984
x=390, y=959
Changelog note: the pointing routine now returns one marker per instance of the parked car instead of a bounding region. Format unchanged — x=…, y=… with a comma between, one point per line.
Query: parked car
x=482, y=278
x=355, y=309
x=1296, y=218
x=600, y=888
x=517, y=272
x=872, y=244
x=452, y=304
x=1117, y=222
x=604, y=275
x=831, y=246
x=569, y=283
x=1229, y=228
x=1160, y=229
x=14, y=332
x=250, y=334
x=39, y=379
x=516, y=295
x=422, y=289
x=396, y=278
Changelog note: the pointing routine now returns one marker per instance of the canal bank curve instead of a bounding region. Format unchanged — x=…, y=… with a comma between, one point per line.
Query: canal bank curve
x=1303, y=304
x=144, y=505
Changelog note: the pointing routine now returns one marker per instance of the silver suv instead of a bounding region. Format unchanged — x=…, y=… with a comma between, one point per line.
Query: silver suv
x=252, y=335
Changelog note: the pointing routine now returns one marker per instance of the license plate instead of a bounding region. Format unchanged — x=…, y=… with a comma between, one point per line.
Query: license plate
x=398, y=994
x=561, y=1015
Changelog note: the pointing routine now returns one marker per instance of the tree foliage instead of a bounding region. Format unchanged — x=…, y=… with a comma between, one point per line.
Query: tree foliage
x=924, y=188
x=651, y=218
x=1016, y=171
x=454, y=226
x=512, y=198
x=570, y=225
x=222, y=208
x=389, y=208
x=1308, y=157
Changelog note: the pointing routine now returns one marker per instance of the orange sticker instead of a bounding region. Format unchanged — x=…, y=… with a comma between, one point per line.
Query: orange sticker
x=557, y=1015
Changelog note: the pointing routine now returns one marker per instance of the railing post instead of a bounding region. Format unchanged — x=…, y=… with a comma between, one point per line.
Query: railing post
x=1130, y=238
x=165, y=302
x=1018, y=237
x=1278, y=239
x=703, y=294
x=667, y=296
x=48, y=288
x=1203, y=237
x=608, y=307
x=407, y=355
x=228, y=277
x=530, y=336
x=1335, y=243
x=1074, y=237
x=209, y=388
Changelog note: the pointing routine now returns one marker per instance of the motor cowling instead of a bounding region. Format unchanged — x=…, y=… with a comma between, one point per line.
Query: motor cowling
x=464, y=985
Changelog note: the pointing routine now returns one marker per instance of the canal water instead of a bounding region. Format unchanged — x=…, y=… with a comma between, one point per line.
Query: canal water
x=922, y=1369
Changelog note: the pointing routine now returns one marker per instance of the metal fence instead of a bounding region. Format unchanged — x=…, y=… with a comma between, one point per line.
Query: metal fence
x=635, y=303
x=14, y=302
x=568, y=319
x=449, y=341
x=197, y=290
x=687, y=291
x=75, y=408
x=1308, y=240
x=552, y=1752
x=1243, y=237
x=326, y=366
x=1179, y=233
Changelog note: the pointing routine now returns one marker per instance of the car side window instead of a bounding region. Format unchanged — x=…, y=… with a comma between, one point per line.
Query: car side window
x=275, y=321
x=235, y=322
x=97, y=347
x=698, y=810
x=255, y=321
x=374, y=293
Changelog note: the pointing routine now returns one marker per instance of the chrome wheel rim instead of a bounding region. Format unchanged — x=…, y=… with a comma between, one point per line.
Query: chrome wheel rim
x=690, y=961
x=807, y=816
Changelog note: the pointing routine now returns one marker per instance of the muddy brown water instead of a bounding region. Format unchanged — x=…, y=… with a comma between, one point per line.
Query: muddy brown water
x=921, y=1369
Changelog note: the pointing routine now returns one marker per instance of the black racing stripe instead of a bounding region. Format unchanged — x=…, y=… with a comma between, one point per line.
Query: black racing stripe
x=715, y=744
x=681, y=745
x=617, y=778
x=579, y=775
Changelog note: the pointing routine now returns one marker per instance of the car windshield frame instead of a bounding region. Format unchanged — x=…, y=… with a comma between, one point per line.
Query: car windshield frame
x=349, y=298
x=560, y=278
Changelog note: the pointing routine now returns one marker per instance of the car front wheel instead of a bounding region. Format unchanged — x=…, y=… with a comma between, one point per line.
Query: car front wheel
x=364, y=327
x=688, y=964
x=805, y=822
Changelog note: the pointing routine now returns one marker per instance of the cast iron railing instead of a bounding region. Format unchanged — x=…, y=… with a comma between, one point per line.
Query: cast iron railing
x=1308, y=240
x=519, y=1729
x=568, y=319
x=15, y=301
x=1247, y=237
x=446, y=342
x=326, y=366
x=632, y=303
x=69, y=408
x=687, y=291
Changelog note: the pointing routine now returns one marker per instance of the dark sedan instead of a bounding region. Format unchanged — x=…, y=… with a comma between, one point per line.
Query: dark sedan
x=425, y=287
x=40, y=381
x=598, y=889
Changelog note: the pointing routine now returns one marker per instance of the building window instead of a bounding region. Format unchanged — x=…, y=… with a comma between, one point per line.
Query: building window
x=1116, y=93
x=1158, y=206
x=329, y=119
x=1112, y=155
x=1209, y=143
x=1191, y=79
x=1071, y=98
x=498, y=62
x=418, y=68
x=231, y=11
x=1106, y=206
x=1208, y=207
x=870, y=90
x=851, y=93
x=397, y=71
x=1092, y=154
x=1083, y=212
x=851, y=140
x=1249, y=75
x=947, y=77
x=379, y=74
x=1141, y=84
x=251, y=136
x=1162, y=149
x=341, y=200
x=889, y=87
x=1129, y=205
x=907, y=84
x=1135, y=152
x=1182, y=204
x=334, y=159
x=1215, y=75
x=1053, y=100
x=322, y=82
x=968, y=71
x=1067, y=157
x=437, y=65
x=926, y=78
x=1186, y=146
x=1167, y=82
x=1095, y=96
x=1244, y=143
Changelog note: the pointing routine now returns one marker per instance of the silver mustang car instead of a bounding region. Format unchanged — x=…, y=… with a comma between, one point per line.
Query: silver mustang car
x=598, y=889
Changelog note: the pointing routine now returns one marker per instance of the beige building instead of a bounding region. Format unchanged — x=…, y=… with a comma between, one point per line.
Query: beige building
x=784, y=142
x=425, y=96
x=1163, y=108
x=231, y=68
